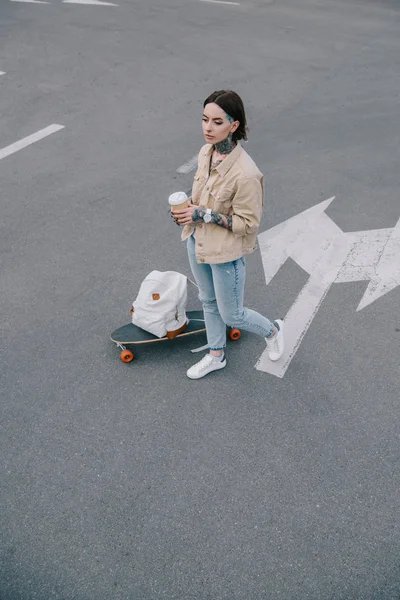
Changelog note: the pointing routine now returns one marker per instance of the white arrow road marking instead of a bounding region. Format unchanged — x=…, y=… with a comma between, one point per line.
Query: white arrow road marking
x=189, y=165
x=307, y=234
x=91, y=2
x=329, y=256
x=276, y=243
x=366, y=250
x=387, y=273
x=30, y=139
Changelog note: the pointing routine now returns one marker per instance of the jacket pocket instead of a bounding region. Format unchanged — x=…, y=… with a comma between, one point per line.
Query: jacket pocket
x=222, y=201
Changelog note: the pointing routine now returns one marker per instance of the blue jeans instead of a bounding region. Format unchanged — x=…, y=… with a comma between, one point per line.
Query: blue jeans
x=221, y=291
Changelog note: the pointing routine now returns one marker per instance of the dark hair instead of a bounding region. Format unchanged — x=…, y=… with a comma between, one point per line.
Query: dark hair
x=232, y=104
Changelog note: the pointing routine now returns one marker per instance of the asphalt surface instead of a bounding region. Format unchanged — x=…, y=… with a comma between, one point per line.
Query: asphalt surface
x=132, y=481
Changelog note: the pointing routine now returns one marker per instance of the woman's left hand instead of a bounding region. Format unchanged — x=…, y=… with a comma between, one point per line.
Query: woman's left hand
x=185, y=217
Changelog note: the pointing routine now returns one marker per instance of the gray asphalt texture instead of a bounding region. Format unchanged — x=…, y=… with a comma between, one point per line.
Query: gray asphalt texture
x=132, y=482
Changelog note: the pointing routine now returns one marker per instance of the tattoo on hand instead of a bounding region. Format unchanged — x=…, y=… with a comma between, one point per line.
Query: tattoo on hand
x=198, y=215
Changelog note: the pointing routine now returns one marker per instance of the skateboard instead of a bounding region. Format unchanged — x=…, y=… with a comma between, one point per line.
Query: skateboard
x=131, y=335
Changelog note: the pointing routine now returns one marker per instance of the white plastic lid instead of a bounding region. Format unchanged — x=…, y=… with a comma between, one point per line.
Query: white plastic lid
x=177, y=198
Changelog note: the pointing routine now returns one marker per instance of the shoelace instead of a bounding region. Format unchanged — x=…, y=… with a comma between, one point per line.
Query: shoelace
x=204, y=362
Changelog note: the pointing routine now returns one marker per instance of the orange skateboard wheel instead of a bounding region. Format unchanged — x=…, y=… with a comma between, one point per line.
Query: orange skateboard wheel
x=235, y=334
x=126, y=356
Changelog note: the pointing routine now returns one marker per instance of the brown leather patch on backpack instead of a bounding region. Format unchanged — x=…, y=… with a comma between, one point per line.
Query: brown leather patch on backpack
x=155, y=296
x=172, y=334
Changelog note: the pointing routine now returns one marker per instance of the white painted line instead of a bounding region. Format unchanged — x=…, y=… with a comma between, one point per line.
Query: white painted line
x=190, y=165
x=91, y=2
x=31, y=1
x=2, y=72
x=30, y=139
x=329, y=256
x=221, y=2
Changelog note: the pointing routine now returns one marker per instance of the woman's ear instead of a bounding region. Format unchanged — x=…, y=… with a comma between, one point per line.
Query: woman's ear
x=234, y=126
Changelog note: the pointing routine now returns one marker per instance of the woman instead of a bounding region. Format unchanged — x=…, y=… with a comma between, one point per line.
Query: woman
x=220, y=226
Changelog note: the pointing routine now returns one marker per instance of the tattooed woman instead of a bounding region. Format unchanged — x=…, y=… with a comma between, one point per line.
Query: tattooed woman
x=220, y=226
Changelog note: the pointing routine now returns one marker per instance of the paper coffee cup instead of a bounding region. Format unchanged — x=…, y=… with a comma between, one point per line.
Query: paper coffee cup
x=178, y=201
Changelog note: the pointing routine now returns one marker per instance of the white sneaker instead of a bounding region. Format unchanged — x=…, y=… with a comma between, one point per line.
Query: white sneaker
x=205, y=366
x=276, y=345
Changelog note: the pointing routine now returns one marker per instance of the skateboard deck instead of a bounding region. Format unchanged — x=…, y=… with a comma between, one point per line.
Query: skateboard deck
x=133, y=335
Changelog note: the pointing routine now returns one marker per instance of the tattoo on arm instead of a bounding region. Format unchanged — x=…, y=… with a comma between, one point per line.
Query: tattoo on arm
x=216, y=218
x=229, y=223
x=222, y=220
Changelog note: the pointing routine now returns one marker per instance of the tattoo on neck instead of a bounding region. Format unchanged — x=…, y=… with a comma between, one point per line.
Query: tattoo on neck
x=226, y=146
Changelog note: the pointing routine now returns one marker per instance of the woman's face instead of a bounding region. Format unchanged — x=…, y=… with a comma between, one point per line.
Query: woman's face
x=216, y=125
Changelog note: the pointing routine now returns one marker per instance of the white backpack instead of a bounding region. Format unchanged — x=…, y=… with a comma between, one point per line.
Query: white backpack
x=160, y=306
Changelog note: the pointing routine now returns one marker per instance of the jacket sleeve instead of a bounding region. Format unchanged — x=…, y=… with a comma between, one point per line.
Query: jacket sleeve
x=247, y=206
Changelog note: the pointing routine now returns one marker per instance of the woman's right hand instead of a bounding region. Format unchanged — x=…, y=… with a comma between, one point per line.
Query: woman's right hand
x=174, y=217
x=185, y=216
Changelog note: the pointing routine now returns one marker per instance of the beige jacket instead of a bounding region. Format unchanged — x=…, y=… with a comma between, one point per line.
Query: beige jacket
x=235, y=188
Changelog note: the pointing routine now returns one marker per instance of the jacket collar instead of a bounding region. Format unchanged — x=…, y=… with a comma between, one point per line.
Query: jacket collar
x=228, y=162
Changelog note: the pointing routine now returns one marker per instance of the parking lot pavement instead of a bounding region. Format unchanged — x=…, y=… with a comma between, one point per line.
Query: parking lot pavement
x=131, y=481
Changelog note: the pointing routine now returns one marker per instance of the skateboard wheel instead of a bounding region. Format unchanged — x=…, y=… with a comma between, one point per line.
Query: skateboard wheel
x=235, y=334
x=126, y=356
